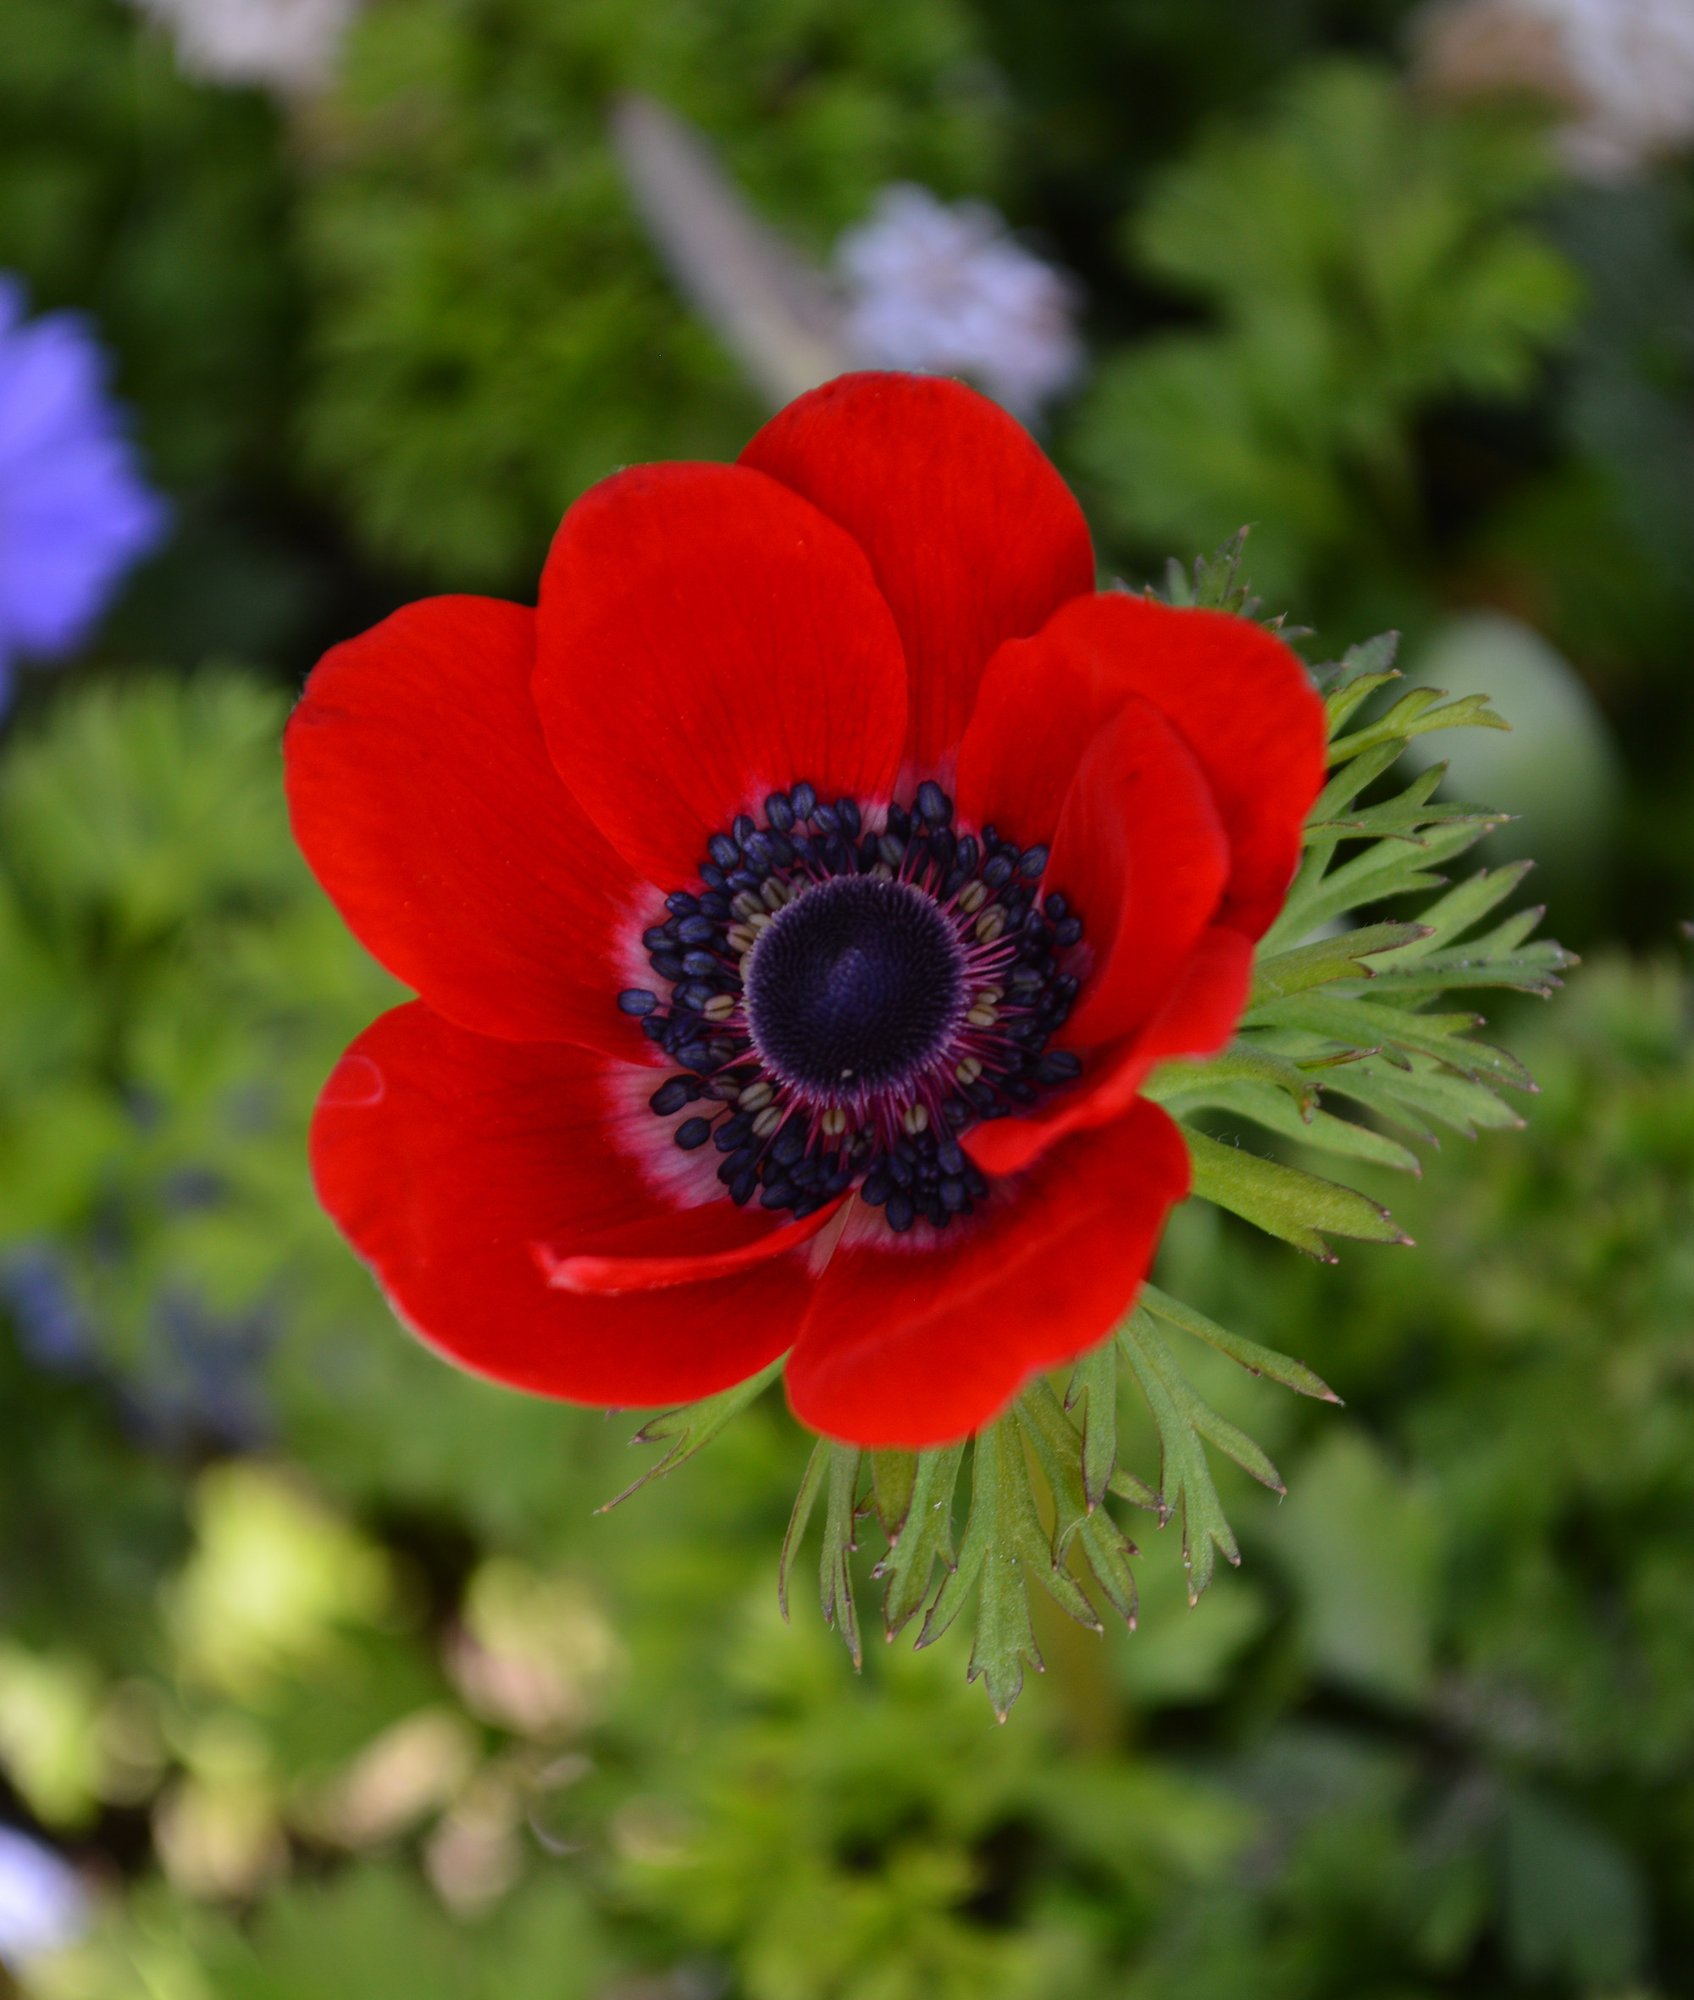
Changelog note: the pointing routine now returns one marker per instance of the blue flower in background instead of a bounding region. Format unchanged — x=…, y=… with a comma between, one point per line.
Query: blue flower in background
x=75, y=512
x=52, y=1331
x=199, y=1374
x=203, y=1377
x=43, y=1906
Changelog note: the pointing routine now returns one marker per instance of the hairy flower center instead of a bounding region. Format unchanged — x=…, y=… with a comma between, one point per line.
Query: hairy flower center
x=852, y=987
x=846, y=993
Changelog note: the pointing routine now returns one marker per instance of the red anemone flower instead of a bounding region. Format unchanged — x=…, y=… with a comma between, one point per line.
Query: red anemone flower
x=797, y=899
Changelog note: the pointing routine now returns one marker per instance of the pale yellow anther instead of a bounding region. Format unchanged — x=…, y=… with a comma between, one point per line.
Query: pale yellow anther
x=746, y=904
x=719, y=1007
x=982, y=1017
x=767, y=1121
x=773, y=894
x=972, y=897
x=915, y=1118
x=968, y=1071
x=990, y=924
x=756, y=1096
x=834, y=1121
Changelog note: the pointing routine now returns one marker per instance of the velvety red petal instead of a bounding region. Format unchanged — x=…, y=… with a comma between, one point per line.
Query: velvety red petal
x=463, y=1169
x=918, y=1339
x=424, y=799
x=973, y=535
x=1141, y=855
x=608, y=1276
x=1239, y=696
x=1042, y=702
x=1197, y=1019
x=706, y=637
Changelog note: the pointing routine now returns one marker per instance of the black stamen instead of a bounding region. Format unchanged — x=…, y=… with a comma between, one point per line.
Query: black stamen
x=933, y=804
x=846, y=1000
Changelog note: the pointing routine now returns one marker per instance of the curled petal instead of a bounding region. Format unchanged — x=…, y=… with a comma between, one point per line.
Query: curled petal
x=1197, y=1019
x=1141, y=854
x=607, y=1276
x=1238, y=696
x=452, y=1161
x=915, y=1340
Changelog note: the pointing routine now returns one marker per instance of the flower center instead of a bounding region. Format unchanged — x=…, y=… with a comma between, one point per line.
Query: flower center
x=853, y=987
x=845, y=993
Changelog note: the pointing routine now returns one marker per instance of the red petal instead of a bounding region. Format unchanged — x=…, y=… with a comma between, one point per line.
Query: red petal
x=706, y=638
x=462, y=1169
x=1238, y=695
x=914, y=1340
x=423, y=797
x=1042, y=702
x=1197, y=1019
x=610, y=1276
x=972, y=534
x=1141, y=854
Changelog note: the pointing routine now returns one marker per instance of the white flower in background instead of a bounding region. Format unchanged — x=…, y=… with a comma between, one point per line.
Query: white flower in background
x=288, y=46
x=43, y=1906
x=1633, y=63
x=949, y=291
x=1623, y=68
x=919, y=285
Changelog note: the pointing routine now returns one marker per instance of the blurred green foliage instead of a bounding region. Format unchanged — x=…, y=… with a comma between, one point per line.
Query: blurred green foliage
x=1363, y=261
x=313, y=1654
x=492, y=332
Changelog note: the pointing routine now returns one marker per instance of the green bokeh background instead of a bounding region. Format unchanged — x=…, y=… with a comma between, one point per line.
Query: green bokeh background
x=314, y=1655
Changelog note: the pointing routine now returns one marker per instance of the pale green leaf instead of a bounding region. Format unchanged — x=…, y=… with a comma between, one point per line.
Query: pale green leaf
x=693, y=1427
x=1246, y=1353
x=1321, y=1130
x=1416, y=714
x=1362, y=1022
x=1185, y=1478
x=923, y=1537
x=1327, y=959
x=835, y=1571
x=1286, y=1201
x=811, y=1485
x=1094, y=1387
x=1241, y=1062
